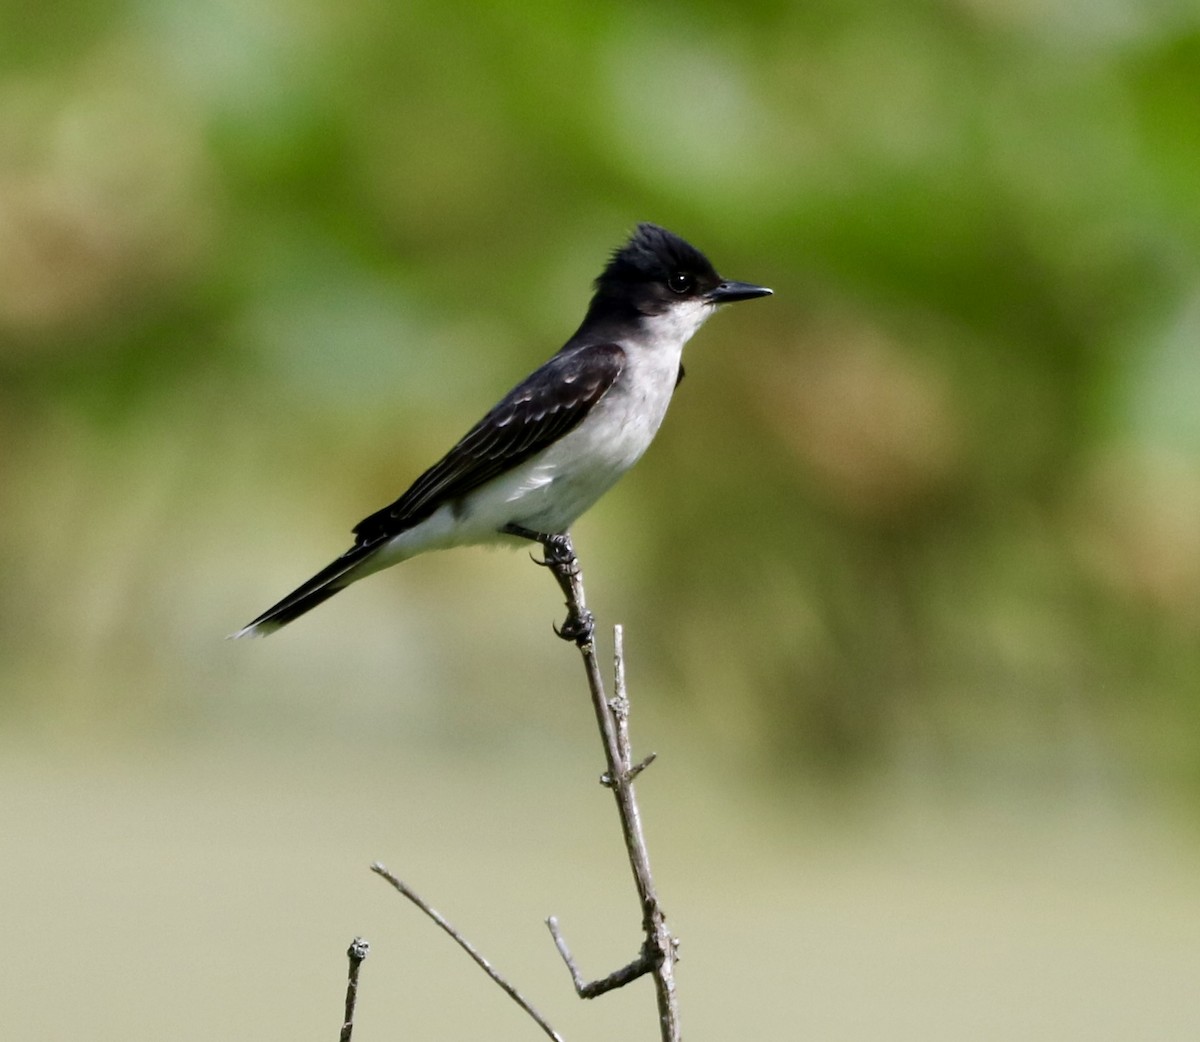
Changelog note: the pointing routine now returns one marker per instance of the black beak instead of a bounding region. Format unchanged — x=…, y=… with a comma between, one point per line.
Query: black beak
x=729, y=291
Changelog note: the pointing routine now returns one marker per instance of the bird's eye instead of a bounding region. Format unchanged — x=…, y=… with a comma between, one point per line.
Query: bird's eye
x=679, y=282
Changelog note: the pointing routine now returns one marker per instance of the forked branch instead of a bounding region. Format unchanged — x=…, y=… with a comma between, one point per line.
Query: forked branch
x=659, y=949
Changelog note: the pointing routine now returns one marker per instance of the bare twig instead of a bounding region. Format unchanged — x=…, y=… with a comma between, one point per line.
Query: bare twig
x=641, y=765
x=640, y=966
x=359, y=949
x=660, y=949
x=407, y=891
x=618, y=705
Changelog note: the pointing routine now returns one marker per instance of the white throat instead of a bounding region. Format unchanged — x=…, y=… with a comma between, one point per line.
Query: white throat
x=677, y=325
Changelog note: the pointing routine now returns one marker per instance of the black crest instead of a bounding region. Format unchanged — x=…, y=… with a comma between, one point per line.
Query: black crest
x=651, y=254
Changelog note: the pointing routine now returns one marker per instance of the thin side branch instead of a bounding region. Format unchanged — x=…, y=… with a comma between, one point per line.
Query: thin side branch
x=660, y=949
x=640, y=966
x=407, y=891
x=359, y=949
x=641, y=765
x=619, y=703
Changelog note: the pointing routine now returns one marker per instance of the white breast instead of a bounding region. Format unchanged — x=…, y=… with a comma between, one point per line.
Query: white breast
x=567, y=478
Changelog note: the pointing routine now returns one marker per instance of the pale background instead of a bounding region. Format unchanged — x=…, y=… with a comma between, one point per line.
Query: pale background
x=910, y=577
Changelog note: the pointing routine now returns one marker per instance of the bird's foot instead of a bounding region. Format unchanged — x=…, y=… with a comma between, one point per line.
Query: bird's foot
x=556, y=546
x=578, y=628
x=559, y=556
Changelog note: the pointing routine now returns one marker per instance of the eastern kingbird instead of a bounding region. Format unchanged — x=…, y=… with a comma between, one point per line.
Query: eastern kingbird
x=559, y=439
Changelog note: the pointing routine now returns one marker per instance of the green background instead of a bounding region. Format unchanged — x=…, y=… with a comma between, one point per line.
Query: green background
x=911, y=576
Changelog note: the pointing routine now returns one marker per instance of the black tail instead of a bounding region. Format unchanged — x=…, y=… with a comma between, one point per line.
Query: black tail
x=318, y=589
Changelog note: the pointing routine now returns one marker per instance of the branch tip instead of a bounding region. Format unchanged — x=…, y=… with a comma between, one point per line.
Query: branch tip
x=356, y=953
x=497, y=978
x=637, y=768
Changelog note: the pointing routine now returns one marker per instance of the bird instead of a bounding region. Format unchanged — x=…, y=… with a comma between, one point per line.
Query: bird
x=560, y=439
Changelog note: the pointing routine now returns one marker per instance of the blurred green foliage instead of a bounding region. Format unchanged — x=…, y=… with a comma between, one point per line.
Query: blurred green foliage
x=935, y=506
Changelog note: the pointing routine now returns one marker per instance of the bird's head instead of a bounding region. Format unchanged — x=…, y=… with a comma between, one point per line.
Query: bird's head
x=656, y=273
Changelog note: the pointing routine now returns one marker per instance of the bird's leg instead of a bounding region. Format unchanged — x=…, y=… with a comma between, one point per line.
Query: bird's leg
x=560, y=558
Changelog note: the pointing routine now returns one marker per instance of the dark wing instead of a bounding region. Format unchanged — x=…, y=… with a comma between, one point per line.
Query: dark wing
x=535, y=413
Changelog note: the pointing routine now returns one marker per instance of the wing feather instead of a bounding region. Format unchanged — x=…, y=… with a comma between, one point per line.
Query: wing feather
x=534, y=414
